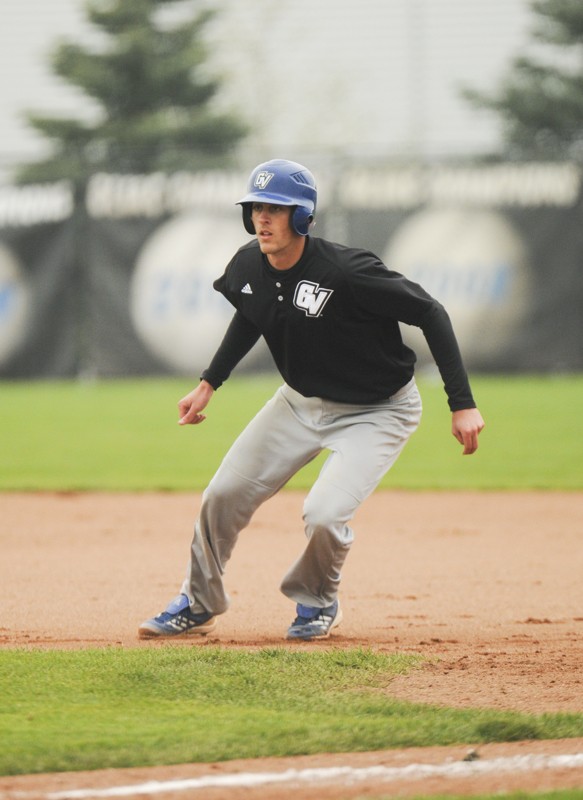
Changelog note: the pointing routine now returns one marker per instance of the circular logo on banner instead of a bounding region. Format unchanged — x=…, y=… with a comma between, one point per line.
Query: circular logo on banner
x=475, y=263
x=14, y=304
x=174, y=307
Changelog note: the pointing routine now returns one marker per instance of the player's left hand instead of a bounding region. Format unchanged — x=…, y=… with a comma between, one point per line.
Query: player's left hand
x=466, y=426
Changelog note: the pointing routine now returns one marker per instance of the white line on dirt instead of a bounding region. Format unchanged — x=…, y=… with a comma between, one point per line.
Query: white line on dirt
x=457, y=769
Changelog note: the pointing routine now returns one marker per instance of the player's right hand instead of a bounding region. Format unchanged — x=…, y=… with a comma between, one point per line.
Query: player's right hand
x=190, y=407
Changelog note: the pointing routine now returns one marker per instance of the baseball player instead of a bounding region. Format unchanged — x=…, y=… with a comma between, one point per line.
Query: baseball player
x=330, y=316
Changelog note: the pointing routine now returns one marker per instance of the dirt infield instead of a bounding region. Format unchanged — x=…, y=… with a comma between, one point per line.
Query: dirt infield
x=488, y=586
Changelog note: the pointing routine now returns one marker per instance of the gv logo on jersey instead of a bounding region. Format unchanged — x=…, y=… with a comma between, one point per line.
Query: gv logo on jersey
x=262, y=179
x=310, y=298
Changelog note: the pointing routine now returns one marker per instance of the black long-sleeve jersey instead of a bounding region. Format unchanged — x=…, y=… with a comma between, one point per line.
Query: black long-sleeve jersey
x=331, y=323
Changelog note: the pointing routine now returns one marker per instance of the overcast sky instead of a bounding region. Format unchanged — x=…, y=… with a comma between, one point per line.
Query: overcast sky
x=373, y=76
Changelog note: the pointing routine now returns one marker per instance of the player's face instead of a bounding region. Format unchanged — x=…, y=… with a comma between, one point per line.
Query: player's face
x=282, y=245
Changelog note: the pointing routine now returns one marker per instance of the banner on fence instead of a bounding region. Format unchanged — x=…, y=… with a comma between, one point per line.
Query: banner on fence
x=122, y=284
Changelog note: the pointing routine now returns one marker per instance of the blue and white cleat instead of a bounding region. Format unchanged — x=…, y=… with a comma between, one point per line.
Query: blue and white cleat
x=177, y=620
x=314, y=623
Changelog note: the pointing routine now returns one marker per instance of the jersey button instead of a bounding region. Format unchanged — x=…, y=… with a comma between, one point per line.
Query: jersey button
x=278, y=284
x=280, y=298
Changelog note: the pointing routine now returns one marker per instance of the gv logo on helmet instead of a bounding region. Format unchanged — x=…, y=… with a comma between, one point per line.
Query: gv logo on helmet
x=262, y=179
x=310, y=298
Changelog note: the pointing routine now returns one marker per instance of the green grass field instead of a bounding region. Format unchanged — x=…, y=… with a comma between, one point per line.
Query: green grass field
x=123, y=435
x=118, y=708
x=90, y=709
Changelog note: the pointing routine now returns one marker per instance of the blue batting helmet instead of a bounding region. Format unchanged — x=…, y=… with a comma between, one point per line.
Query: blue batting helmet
x=282, y=183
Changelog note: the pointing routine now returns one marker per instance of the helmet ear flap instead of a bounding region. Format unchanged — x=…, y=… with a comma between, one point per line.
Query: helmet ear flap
x=302, y=220
x=249, y=226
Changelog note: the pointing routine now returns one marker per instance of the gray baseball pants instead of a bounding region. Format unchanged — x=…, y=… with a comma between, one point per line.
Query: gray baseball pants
x=290, y=430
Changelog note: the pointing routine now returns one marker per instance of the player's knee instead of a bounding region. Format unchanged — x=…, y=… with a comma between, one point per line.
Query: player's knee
x=316, y=515
x=230, y=495
x=225, y=486
x=326, y=519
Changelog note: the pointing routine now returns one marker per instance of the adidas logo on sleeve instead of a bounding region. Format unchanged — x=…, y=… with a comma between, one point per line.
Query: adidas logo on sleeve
x=247, y=289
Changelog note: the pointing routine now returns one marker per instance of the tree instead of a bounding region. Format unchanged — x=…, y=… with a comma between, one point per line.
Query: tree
x=540, y=102
x=152, y=94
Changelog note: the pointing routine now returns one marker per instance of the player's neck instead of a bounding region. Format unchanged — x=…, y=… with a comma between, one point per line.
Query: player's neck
x=287, y=257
